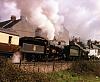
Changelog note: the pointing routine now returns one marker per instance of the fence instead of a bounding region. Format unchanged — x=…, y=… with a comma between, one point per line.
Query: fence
x=44, y=67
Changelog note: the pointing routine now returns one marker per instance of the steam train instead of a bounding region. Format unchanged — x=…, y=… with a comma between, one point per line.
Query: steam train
x=40, y=49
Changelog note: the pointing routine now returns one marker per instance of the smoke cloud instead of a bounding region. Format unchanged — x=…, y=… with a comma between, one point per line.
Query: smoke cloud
x=81, y=17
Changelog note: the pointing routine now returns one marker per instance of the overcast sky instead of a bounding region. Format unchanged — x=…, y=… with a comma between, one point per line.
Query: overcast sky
x=81, y=17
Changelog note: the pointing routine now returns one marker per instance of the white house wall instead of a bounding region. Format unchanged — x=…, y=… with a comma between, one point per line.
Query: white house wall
x=93, y=52
x=15, y=40
x=4, y=38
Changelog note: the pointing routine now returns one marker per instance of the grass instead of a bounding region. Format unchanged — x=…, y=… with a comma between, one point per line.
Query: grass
x=81, y=71
x=68, y=76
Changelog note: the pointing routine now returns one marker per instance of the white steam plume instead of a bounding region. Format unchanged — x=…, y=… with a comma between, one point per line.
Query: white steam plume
x=43, y=14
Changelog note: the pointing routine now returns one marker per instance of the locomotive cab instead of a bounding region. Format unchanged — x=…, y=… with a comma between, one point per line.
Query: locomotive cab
x=33, y=48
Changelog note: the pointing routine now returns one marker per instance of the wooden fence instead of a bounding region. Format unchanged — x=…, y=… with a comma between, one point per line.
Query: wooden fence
x=44, y=67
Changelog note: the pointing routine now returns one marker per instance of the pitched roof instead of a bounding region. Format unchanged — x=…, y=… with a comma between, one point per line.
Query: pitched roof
x=5, y=27
x=8, y=23
x=9, y=31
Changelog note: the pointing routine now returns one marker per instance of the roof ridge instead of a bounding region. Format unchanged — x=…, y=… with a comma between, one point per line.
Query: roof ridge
x=9, y=31
x=9, y=23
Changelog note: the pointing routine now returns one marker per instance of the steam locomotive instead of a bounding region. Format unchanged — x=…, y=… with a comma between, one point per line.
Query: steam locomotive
x=40, y=49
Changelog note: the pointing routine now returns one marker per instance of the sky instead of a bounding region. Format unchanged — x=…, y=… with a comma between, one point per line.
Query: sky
x=80, y=17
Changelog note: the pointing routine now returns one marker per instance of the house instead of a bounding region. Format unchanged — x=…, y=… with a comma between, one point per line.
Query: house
x=94, y=51
x=9, y=38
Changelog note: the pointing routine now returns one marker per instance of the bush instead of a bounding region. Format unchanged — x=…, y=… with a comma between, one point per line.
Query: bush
x=84, y=67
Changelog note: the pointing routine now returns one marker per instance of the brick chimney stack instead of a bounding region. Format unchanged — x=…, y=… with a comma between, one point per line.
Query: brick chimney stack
x=38, y=32
x=13, y=18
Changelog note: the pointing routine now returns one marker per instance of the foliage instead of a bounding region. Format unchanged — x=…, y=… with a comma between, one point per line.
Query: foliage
x=9, y=73
x=86, y=67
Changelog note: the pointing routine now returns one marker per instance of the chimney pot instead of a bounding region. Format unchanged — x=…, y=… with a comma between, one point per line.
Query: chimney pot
x=13, y=18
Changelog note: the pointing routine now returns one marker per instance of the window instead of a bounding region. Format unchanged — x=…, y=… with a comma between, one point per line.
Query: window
x=74, y=51
x=10, y=37
x=33, y=48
